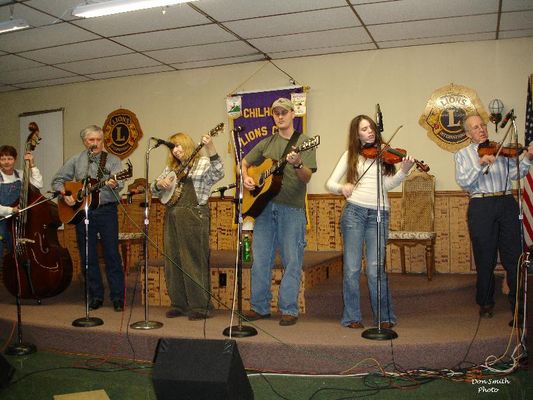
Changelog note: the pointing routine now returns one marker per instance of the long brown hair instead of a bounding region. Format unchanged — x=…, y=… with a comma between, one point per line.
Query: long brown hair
x=188, y=147
x=355, y=146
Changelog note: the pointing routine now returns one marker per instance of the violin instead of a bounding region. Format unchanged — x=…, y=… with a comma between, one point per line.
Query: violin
x=493, y=148
x=392, y=156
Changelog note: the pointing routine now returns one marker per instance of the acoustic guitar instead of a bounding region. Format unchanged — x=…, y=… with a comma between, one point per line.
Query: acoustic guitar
x=267, y=180
x=86, y=192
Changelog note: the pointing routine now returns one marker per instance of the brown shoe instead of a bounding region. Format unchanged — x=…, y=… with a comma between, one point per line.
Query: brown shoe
x=387, y=325
x=355, y=325
x=196, y=316
x=287, y=320
x=254, y=316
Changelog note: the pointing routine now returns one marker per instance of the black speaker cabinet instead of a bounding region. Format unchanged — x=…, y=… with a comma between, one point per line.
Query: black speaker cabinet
x=6, y=372
x=199, y=369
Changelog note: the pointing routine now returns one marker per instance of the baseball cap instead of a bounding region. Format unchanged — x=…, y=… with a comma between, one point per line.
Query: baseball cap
x=284, y=103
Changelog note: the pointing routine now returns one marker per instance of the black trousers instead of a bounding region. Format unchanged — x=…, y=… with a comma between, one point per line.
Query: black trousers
x=494, y=228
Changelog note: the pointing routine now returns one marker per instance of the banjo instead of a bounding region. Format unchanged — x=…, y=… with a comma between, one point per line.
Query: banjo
x=170, y=196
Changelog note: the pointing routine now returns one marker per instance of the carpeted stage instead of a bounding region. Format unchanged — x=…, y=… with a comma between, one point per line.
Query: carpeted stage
x=437, y=328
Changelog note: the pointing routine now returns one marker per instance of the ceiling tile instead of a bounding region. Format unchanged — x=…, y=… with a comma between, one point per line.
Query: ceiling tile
x=308, y=21
x=203, y=52
x=322, y=50
x=132, y=71
x=76, y=51
x=144, y=21
x=227, y=10
x=516, y=5
x=432, y=28
x=412, y=10
x=302, y=41
x=58, y=8
x=176, y=38
x=52, y=82
x=516, y=34
x=5, y=88
x=435, y=40
x=32, y=75
x=219, y=61
x=108, y=64
x=12, y=62
x=46, y=36
x=516, y=20
x=33, y=17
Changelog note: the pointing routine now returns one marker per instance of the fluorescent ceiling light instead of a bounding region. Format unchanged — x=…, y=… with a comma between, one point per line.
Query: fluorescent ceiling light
x=120, y=6
x=13, y=25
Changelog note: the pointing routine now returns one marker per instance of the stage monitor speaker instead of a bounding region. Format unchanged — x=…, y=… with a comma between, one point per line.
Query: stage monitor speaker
x=6, y=372
x=199, y=369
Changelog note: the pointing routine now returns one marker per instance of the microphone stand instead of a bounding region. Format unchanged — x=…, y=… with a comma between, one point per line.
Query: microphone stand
x=239, y=330
x=87, y=321
x=379, y=333
x=21, y=348
x=520, y=219
x=146, y=323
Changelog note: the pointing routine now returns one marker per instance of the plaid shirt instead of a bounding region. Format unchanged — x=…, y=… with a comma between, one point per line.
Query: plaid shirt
x=204, y=174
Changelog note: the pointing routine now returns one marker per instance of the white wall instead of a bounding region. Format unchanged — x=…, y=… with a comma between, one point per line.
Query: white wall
x=342, y=86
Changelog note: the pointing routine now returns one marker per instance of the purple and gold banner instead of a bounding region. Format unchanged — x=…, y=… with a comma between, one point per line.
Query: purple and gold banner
x=252, y=118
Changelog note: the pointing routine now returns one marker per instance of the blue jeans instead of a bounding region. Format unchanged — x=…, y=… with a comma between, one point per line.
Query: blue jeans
x=102, y=220
x=358, y=225
x=283, y=227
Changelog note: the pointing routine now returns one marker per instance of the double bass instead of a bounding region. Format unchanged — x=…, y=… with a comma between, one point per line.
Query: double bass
x=37, y=266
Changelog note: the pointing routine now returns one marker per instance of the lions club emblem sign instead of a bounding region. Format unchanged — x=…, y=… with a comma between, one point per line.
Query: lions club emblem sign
x=122, y=132
x=444, y=112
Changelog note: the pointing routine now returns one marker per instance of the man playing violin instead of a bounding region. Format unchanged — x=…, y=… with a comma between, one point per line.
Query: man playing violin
x=493, y=214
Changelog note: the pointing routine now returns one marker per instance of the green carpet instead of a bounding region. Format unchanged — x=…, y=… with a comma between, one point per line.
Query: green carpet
x=43, y=374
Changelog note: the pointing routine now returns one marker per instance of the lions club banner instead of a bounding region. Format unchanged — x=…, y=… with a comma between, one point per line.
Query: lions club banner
x=251, y=117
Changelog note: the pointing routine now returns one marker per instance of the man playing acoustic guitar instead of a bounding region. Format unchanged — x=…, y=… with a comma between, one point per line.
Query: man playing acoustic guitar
x=97, y=165
x=281, y=224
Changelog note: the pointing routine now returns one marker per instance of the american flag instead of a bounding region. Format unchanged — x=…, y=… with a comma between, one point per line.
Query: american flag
x=528, y=184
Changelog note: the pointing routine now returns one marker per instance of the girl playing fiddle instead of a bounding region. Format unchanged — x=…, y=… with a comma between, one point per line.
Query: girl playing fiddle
x=359, y=219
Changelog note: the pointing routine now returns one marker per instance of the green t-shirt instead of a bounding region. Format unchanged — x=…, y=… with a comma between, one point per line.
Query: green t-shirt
x=293, y=190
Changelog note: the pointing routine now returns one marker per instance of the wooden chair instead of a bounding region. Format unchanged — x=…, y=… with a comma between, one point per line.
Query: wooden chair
x=417, y=218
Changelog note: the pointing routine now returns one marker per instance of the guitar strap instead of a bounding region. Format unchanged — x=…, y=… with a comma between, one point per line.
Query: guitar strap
x=101, y=166
x=288, y=149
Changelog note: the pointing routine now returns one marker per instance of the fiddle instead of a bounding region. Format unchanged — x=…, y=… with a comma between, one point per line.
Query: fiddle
x=392, y=156
x=498, y=149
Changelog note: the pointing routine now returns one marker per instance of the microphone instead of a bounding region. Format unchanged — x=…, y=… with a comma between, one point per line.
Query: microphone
x=165, y=142
x=379, y=118
x=509, y=116
x=238, y=128
x=54, y=193
x=222, y=189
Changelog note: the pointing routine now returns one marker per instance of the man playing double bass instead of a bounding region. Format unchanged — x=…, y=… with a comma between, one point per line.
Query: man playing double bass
x=10, y=186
